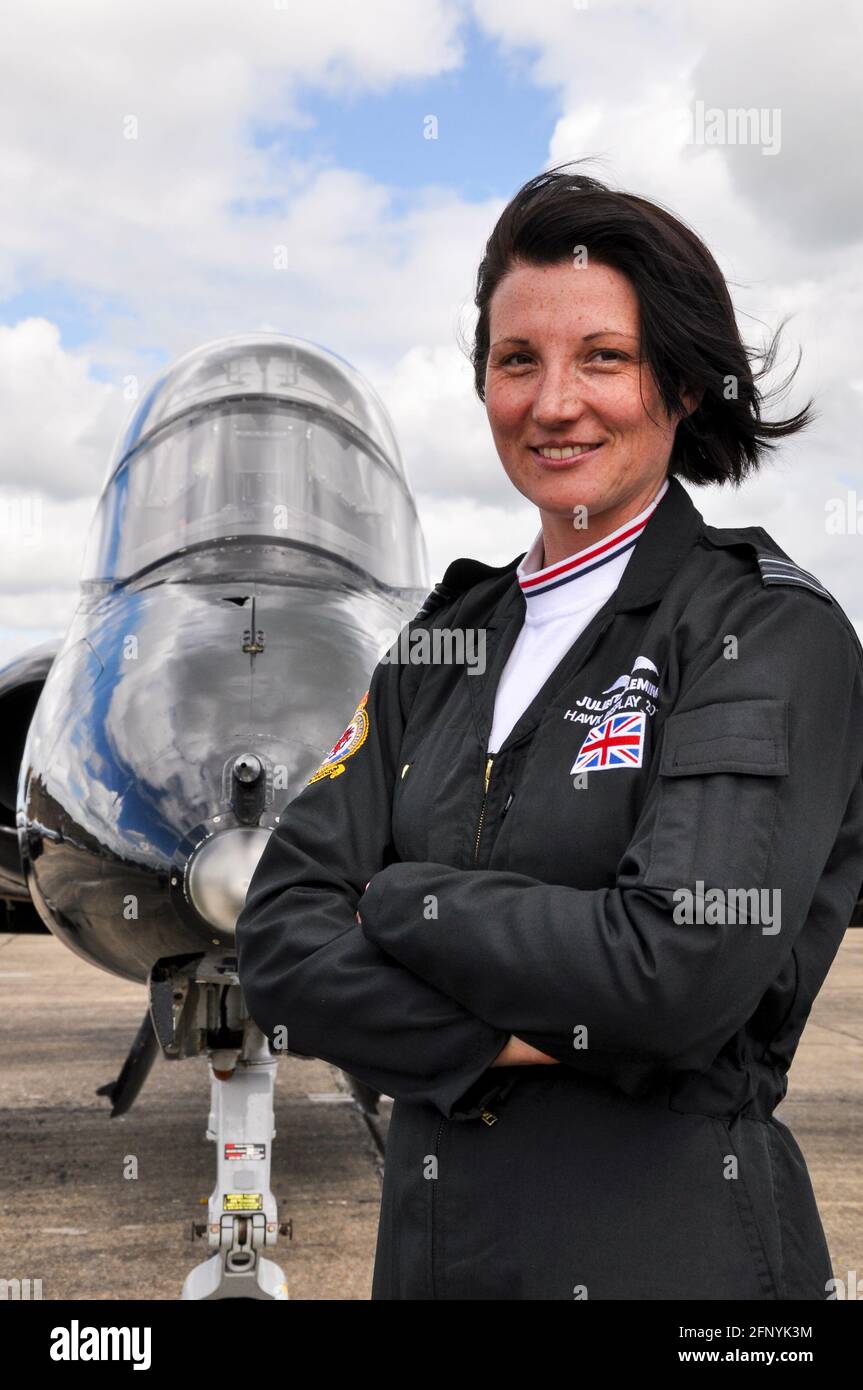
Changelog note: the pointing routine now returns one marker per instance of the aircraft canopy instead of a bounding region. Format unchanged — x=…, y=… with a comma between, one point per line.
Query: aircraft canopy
x=266, y=438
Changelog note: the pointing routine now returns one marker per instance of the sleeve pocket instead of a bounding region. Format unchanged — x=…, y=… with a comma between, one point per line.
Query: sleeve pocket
x=718, y=794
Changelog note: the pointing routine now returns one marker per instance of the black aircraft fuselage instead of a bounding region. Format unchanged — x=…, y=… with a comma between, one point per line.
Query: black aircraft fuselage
x=254, y=551
x=238, y=651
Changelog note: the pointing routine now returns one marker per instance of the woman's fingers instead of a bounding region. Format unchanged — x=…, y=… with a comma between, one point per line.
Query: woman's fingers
x=356, y=914
x=516, y=1053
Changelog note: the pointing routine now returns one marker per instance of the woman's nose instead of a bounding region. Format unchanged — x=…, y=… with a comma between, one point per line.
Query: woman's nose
x=559, y=397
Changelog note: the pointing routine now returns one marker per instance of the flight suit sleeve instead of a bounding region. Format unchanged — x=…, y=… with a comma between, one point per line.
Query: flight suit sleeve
x=755, y=784
x=305, y=966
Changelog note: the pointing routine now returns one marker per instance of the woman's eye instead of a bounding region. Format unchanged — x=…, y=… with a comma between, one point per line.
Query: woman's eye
x=603, y=355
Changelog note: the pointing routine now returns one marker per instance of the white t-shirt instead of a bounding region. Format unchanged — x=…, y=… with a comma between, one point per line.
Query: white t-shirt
x=560, y=600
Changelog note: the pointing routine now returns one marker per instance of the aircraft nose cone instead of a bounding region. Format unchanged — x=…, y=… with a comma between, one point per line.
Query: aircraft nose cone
x=220, y=871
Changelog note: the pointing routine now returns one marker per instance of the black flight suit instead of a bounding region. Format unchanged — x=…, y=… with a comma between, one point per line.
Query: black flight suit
x=510, y=895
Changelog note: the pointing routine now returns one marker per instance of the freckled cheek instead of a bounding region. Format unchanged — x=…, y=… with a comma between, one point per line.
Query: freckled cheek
x=506, y=409
x=640, y=402
x=620, y=404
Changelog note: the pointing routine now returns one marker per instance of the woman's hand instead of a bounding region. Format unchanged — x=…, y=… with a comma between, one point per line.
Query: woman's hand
x=517, y=1053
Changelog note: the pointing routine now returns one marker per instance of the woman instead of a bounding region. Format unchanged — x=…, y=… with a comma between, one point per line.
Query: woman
x=571, y=909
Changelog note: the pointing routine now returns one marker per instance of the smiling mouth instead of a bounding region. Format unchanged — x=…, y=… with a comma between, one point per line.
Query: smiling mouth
x=563, y=453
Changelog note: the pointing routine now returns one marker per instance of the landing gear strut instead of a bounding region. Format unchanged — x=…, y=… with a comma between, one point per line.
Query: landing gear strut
x=197, y=1006
x=242, y=1219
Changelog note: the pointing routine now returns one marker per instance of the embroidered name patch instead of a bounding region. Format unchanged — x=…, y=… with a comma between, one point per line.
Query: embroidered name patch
x=346, y=745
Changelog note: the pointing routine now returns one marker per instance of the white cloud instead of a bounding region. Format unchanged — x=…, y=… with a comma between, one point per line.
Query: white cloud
x=804, y=64
x=462, y=526
x=191, y=83
x=58, y=423
x=42, y=548
x=442, y=428
x=169, y=238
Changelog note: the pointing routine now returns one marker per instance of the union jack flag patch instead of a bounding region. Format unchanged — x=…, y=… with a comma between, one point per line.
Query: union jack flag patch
x=617, y=742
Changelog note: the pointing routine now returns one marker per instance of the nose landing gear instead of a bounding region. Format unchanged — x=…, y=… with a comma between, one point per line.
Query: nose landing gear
x=242, y=1219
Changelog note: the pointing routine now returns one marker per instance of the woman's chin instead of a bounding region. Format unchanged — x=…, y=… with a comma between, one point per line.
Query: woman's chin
x=563, y=491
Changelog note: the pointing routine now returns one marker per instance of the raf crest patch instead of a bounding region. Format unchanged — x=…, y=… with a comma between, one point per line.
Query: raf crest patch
x=346, y=745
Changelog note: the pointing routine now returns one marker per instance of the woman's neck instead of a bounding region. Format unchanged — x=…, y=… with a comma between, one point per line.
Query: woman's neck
x=562, y=538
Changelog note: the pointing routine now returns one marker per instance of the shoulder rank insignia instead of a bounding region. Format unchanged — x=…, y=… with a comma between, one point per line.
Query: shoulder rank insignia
x=353, y=738
x=775, y=570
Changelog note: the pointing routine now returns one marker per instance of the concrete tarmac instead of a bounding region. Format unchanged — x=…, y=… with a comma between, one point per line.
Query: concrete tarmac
x=69, y=1217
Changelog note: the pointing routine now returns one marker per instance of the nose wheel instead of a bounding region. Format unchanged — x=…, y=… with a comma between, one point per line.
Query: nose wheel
x=238, y=1270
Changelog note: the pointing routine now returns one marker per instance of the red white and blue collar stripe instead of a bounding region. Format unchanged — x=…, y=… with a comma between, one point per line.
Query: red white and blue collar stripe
x=585, y=561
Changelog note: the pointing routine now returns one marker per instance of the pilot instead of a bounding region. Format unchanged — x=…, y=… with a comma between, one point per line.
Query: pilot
x=570, y=904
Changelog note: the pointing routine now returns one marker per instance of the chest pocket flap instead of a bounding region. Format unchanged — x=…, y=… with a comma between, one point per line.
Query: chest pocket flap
x=717, y=805
x=739, y=736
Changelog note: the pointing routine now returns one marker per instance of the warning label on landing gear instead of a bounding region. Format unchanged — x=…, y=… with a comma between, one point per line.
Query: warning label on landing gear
x=253, y=1151
x=243, y=1201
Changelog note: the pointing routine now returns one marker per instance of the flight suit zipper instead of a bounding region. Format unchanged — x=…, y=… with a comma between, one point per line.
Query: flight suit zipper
x=397, y=790
x=488, y=1116
x=482, y=809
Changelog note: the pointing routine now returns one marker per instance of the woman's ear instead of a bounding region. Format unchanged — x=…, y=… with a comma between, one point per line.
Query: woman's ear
x=692, y=399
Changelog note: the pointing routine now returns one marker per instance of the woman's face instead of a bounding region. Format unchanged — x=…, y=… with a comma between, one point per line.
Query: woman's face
x=565, y=368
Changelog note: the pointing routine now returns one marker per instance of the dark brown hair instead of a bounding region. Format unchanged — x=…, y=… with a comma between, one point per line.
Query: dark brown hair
x=689, y=333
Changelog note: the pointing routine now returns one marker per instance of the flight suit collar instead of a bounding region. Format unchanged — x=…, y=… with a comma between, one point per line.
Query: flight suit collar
x=668, y=537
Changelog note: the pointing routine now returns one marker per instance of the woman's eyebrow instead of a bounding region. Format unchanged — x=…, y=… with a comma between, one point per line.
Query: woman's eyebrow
x=586, y=338
x=609, y=332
